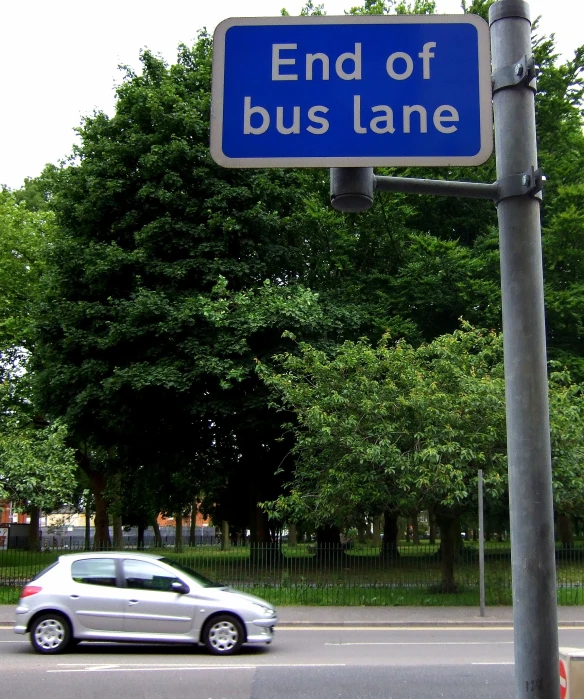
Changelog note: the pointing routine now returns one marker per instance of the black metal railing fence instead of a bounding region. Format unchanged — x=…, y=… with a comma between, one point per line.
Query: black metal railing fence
x=307, y=574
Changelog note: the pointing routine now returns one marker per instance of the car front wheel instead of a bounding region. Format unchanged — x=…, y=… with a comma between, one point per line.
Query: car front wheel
x=223, y=635
x=50, y=634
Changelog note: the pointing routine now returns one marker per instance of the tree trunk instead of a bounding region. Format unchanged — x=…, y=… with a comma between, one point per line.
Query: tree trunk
x=178, y=533
x=564, y=531
x=432, y=527
x=361, y=533
x=328, y=545
x=448, y=538
x=34, y=535
x=263, y=551
x=259, y=532
x=292, y=538
x=389, y=549
x=225, y=540
x=140, y=544
x=87, y=542
x=328, y=536
x=193, y=527
x=101, y=538
x=118, y=532
x=157, y=535
x=377, y=522
x=415, y=529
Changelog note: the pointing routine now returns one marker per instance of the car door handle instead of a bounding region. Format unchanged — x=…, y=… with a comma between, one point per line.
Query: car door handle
x=74, y=596
x=133, y=601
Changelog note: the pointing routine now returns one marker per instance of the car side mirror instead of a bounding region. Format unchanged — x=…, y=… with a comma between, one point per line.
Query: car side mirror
x=178, y=586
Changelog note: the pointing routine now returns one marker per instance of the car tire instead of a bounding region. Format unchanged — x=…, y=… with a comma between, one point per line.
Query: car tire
x=50, y=634
x=223, y=635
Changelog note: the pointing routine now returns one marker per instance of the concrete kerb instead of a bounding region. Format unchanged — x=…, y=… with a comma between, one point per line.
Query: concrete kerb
x=386, y=617
x=412, y=616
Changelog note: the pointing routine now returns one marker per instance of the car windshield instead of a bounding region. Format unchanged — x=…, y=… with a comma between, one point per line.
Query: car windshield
x=201, y=579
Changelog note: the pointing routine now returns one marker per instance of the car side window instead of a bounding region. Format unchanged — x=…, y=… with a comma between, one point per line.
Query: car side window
x=143, y=575
x=94, y=571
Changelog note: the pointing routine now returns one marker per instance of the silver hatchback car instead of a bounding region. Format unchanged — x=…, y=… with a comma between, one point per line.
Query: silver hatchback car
x=137, y=597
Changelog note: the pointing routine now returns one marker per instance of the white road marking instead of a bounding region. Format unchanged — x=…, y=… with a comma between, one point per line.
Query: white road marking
x=332, y=627
x=138, y=667
x=420, y=643
x=112, y=668
x=348, y=627
x=487, y=663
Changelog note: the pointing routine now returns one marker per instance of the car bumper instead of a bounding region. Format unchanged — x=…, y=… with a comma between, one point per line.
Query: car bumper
x=261, y=630
x=23, y=615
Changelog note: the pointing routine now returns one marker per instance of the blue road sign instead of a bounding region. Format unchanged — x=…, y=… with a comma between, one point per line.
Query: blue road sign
x=351, y=91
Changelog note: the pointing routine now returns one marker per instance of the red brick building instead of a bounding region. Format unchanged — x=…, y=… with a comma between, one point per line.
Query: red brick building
x=8, y=516
x=200, y=521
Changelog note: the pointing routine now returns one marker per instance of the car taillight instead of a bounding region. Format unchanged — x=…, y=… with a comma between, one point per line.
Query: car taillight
x=29, y=590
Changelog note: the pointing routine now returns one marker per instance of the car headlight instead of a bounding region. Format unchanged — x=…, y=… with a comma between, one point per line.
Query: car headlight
x=265, y=611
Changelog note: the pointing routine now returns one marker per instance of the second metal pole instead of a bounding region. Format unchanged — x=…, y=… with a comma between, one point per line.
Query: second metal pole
x=528, y=431
x=481, y=547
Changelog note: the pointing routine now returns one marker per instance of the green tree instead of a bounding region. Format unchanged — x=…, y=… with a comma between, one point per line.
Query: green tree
x=36, y=468
x=390, y=7
x=24, y=235
x=400, y=428
x=394, y=428
x=567, y=433
x=169, y=277
x=559, y=115
x=156, y=305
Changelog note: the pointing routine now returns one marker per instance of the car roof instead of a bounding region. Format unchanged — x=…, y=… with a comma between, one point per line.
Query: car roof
x=111, y=554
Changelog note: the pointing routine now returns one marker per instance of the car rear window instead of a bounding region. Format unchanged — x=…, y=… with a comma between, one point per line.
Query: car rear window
x=94, y=571
x=43, y=571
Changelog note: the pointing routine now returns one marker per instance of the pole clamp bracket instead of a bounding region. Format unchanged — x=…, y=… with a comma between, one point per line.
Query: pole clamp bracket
x=527, y=183
x=520, y=73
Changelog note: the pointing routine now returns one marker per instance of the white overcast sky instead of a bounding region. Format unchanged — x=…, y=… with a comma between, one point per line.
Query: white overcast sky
x=59, y=59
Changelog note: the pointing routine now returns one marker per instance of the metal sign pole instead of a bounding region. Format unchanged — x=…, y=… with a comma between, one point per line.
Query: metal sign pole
x=516, y=193
x=481, y=546
x=249, y=129
x=528, y=431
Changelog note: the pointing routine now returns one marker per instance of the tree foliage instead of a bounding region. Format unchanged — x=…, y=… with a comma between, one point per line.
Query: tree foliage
x=36, y=467
x=170, y=278
x=24, y=236
x=393, y=427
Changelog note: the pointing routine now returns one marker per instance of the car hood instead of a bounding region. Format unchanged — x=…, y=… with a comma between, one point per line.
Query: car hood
x=227, y=593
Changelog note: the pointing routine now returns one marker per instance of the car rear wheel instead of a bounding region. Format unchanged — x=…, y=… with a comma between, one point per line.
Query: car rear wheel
x=50, y=634
x=223, y=635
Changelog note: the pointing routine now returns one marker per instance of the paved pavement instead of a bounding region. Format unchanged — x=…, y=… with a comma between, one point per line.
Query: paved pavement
x=387, y=616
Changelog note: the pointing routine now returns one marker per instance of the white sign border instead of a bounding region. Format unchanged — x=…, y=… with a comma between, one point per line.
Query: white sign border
x=485, y=94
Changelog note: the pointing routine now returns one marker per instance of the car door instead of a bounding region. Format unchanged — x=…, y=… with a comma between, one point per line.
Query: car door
x=151, y=604
x=94, y=597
